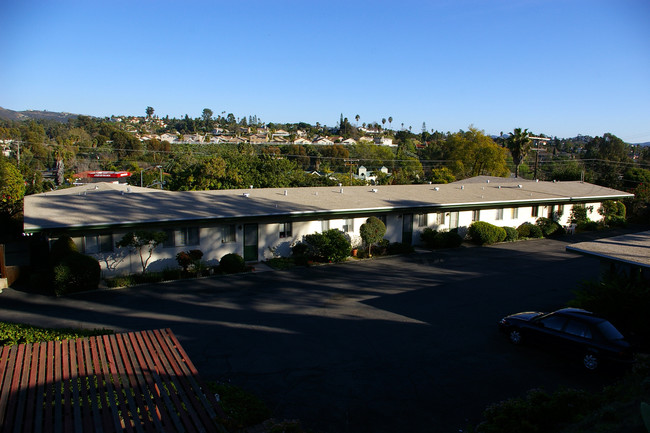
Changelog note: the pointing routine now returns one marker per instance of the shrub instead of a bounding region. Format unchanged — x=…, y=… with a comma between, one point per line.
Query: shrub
x=300, y=249
x=244, y=408
x=17, y=333
x=484, y=233
x=440, y=239
x=331, y=245
x=511, y=234
x=232, y=263
x=538, y=411
x=549, y=227
x=76, y=272
x=589, y=226
x=400, y=248
x=62, y=247
x=528, y=230
x=623, y=299
x=189, y=258
x=578, y=215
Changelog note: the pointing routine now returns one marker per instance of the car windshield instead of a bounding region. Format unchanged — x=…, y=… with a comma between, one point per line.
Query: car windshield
x=609, y=331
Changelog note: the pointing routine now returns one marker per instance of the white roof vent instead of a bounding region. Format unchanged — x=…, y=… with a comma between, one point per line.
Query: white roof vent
x=436, y=188
x=374, y=190
x=246, y=194
x=487, y=181
x=462, y=187
x=519, y=186
x=286, y=192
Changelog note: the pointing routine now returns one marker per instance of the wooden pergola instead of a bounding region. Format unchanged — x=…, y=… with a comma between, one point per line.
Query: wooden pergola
x=132, y=382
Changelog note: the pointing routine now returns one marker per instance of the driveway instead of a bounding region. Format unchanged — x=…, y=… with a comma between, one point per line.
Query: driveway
x=391, y=344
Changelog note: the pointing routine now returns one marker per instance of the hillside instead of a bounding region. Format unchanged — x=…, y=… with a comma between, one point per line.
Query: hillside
x=6, y=114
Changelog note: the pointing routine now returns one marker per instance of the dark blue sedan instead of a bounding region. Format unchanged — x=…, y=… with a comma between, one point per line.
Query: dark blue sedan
x=570, y=331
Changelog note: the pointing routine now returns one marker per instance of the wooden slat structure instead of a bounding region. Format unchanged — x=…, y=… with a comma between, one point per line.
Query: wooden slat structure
x=132, y=382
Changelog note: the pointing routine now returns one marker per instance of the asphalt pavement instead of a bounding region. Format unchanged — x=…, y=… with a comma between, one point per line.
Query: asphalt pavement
x=406, y=343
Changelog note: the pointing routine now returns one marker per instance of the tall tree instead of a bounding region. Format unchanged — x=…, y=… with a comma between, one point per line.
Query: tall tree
x=207, y=119
x=390, y=122
x=149, y=112
x=143, y=242
x=357, y=117
x=518, y=143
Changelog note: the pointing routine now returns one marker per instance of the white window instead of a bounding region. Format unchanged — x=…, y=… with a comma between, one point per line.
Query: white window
x=182, y=237
x=423, y=220
x=324, y=225
x=534, y=212
x=515, y=213
x=348, y=225
x=476, y=215
x=228, y=233
x=286, y=230
x=94, y=244
x=499, y=214
x=441, y=218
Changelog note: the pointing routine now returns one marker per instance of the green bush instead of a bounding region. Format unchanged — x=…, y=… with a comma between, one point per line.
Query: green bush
x=76, y=272
x=16, y=333
x=400, y=248
x=232, y=263
x=578, y=215
x=528, y=230
x=511, y=234
x=549, y=227
x=440, y=239
x=244, y=409
x=623, y=299
x=330, y=246
x=484, y=233
x=589, y=226
x=538, y=411
x=189, y=258
x=62, y=247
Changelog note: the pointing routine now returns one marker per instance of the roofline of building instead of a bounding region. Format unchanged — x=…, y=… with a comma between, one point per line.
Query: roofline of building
x=323, y=214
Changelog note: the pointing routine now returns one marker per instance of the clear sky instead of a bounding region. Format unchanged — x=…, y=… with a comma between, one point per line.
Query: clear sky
x=559, y=67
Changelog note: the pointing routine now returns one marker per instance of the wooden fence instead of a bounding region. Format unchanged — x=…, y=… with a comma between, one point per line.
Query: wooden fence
x=133, y=382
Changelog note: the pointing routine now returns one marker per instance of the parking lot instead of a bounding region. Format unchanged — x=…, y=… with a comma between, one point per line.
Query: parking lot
x=404, y=343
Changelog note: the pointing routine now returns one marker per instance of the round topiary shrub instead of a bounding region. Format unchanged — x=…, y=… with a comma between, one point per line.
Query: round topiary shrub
x=232, y=263
x=76, y=272
x=528, y=230
x=62, y=247
x=511, y=234
x=484, y=233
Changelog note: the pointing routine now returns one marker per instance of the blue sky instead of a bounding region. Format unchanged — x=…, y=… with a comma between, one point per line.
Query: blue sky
x=556, y=67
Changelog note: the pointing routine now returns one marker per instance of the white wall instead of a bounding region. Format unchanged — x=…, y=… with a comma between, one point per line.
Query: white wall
x=214, y=247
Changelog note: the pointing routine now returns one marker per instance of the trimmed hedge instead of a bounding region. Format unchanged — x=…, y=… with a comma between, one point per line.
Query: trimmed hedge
x=232, y=263
x=440, y=239
x=17, y=333
x=528, y=230
x=511, y=234
x=76, y=272
x=484, y=233
x=331, y=245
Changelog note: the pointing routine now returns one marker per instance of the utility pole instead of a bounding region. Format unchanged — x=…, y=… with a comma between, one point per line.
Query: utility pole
x=536, y=140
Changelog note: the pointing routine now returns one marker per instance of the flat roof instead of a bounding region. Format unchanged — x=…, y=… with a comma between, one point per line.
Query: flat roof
x=105, y=204
x=632, y=248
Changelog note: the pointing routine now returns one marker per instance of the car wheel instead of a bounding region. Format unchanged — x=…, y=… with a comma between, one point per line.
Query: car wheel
x=515, y=336
x=590, y=361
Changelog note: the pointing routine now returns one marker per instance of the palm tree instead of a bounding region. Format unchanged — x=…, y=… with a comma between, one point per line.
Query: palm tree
x=383, y=121
x=518, y=143
x=357, y=117
x=390, y=122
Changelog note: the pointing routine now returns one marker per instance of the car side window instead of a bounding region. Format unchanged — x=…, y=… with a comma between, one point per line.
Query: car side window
x=553, y=322
x=578, y=328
